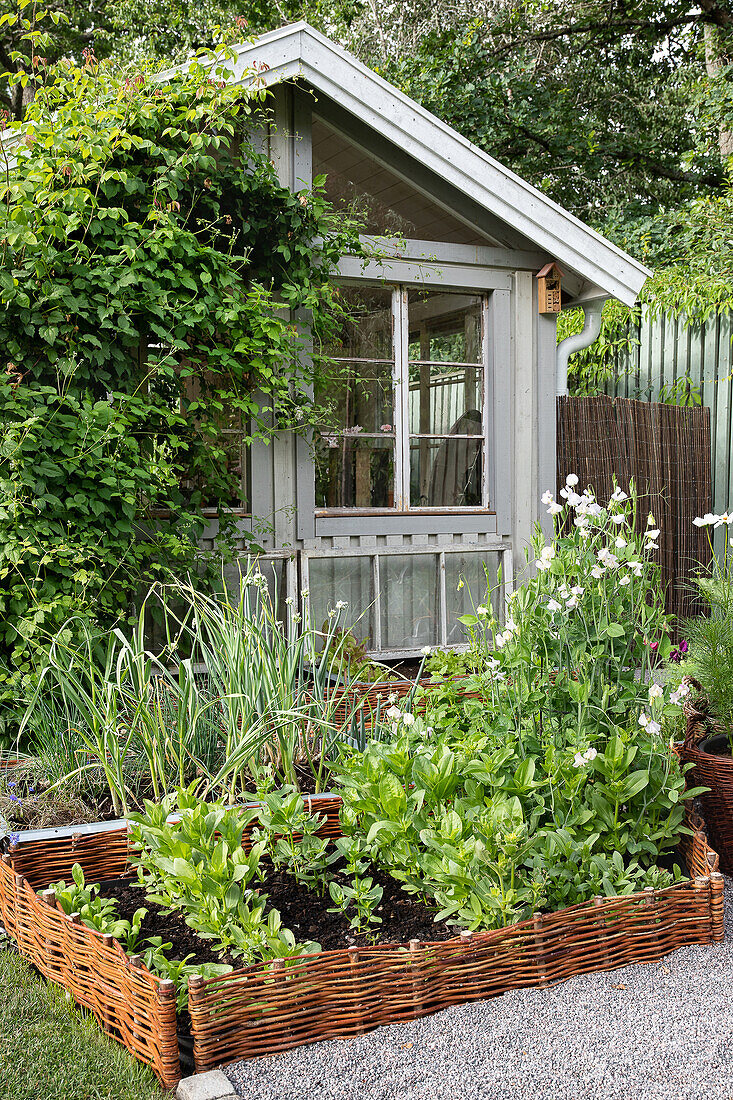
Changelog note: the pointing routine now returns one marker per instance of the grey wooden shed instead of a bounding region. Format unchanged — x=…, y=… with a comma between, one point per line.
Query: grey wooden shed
x=446, y=431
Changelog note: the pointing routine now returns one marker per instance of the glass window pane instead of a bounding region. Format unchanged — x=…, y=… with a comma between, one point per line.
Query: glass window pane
x=409, y=600
x=366, y=331
x=348, y=579
x=354, y=471
x=446, y=473
x=445, y=399
x=466, y=578
x=444, y=326
x=358, y=396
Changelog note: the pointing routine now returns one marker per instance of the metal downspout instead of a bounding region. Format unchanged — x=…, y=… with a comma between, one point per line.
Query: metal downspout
x=590, y=332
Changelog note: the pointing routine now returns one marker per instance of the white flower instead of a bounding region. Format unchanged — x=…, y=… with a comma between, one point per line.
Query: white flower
x=564, y=591
x=677, y=696
x=580, y=521
x=620, y=543
x=625, y=581
x=618, y=518
x=408, y=719
x=426, y=651
x=585, y=532
x=510, y=625
x=656, y=691
x=481, y=610
x=332, y=613
x=650, y=520
x=296, y=618
x=577, y=590
x=578, y=760
x=725, y=518
x=541, y=564
x=653, y=534
x=619, y=495
x=705, y=521
x=596, y=572
x=547, y=497
x=394, y=714
x=548, y=553
x=608, y=559
x=572, y=603
x=571, y=480
x=341, y=604
x=492, y=664
x=553, y=605
x=573, y=499
x=649, y=724
x=289, y=601
x=554, y=509
x=590, y=754
x=305, y=592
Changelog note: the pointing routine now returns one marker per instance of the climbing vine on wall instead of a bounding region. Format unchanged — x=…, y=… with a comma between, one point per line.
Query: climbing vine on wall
x=150, y=267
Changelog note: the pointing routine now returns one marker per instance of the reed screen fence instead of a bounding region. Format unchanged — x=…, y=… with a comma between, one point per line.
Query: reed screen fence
x=666, y=450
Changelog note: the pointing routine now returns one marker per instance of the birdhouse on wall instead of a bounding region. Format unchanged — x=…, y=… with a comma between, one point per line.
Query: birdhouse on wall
x=549, y=280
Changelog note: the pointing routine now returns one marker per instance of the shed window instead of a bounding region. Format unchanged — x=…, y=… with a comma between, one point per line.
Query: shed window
x=406, y=394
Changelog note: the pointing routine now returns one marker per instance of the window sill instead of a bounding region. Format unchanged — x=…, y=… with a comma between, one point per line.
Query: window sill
x=331, y=513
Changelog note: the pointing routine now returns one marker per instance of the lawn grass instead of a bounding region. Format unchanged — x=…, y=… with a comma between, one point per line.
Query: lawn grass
x=51, y=1050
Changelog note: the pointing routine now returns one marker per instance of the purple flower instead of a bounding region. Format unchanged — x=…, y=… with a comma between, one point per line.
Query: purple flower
x=12, y=784
x=677, y=654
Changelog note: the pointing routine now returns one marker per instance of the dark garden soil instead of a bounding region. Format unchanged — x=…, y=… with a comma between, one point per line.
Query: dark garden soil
x=301, y=910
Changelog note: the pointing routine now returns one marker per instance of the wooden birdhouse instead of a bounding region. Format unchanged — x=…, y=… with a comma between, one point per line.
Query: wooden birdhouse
x=549, y=279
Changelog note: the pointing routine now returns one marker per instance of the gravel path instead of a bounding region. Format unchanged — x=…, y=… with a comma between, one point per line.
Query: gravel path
x=663, y=1031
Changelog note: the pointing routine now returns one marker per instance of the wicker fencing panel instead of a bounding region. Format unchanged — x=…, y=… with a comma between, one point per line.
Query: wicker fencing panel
x=666, y=450
x=131, y=1004
x=105, y=855
x=364, y=699
x=271, y=1008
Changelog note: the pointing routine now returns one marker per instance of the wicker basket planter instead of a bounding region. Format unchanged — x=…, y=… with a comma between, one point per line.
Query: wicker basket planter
x=273, y=1007
x=715, y=772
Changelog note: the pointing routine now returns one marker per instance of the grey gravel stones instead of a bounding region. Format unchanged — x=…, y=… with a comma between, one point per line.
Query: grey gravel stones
x=656, y=1032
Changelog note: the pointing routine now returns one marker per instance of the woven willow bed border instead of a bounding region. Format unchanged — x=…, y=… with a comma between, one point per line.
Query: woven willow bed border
x=270, y=1008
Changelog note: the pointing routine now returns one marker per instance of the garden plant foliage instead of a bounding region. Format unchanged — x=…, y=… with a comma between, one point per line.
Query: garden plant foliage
x=150, y=264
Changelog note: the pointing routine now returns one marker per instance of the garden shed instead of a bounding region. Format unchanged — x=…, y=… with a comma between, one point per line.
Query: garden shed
x=446, y=413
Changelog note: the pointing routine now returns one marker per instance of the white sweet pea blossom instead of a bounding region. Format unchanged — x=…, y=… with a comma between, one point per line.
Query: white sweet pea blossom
x=394, y=714
x=408, y=719
x=554, y=509
x=574, y=499
x=481, y=610
x=548, y=553
x=577, y=590
x=653, y=534
x=596, y=572
x=619, y=495
x=608, y=559
x=510, y=625
x=618, y=517
x=501, y=639
x=656, y=691
x=553, y=606
x=571, y=480
x=590, y=754
x=564, y=591
x=547, y=497
x=492, y=664
x=585, y=532
x=578, y=760
x=625, y=581
x=580, y=521
x=677, y=696
x=636, y=567
x=572, y=603
x=620, y=543
x=649, y=724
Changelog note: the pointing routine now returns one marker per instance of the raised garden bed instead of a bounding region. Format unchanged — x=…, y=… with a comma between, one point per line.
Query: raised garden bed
x=272, y=1007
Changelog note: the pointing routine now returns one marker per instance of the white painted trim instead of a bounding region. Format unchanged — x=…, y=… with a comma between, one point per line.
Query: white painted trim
x=300, y=51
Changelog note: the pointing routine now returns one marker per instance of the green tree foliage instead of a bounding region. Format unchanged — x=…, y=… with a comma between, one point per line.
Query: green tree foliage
x=150, y=263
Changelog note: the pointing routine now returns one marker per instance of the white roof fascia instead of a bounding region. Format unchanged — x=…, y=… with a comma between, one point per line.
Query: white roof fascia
x=299, y=51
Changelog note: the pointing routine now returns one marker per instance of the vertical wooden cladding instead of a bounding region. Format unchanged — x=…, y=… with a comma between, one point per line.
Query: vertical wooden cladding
x=666, y=450
x=669, y=352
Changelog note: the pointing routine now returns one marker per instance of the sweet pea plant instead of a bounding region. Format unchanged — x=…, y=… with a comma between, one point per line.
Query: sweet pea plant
x=557, y=783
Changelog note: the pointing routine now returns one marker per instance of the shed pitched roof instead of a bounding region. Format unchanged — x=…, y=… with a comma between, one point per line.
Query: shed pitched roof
x=298, y=51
